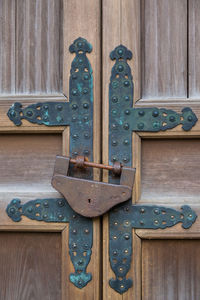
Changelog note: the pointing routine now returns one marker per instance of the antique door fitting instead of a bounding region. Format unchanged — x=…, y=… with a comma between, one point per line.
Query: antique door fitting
x=123, y=120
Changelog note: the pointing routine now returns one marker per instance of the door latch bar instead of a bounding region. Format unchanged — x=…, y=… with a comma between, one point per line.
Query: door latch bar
x=123, y=119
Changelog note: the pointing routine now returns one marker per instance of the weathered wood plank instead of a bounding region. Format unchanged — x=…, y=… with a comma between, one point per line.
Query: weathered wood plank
x=164, y=47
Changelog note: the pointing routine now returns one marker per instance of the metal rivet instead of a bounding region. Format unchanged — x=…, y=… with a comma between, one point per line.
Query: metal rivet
x=13, y=113
x=74, y=106
x=46, y=204
x=142, y=222
x=59, y=107
x=156, y=125
x=60, y=203
x=86, y=135
x=80, y=282
x=126, y=208
x=86, y=152
x=126, y=98
x=125, y=159
x=74, y=76
x=114, y=143
x=127, y=236
x=172, y=118
x=80, y=262
x=79, y=44
x=114, y=237
x=126, y=126
x=141, y=113
x=59, y=119
x=85, y=105
x=121, y=269
x=80, y=60
x=74, y=231
x=12, y=210
x=121, y=286
x=127, y=112
x=155, y=113
x=114, y=99
x=30, y=209
x=140, y=125
x=115, y=252
x=60, y=216
x=156, y=211
x=74, y=118
x=74, y=216
x=45, y=106
x=74, y=92
x=190, y=118
x=120, y=51
x=86, y=246
x=114, y=111
x=120, y=68
x=190, y=216
x=114, y=158
x=85, y=91
x=85, y=118
x=114, y=126
x=75, y=153
x=126, y=251
x=126, y=83
x=156, y=222
x=29, y=113
x=74, y=245
x=126, y=142
x=142, y=210
x=45, y=216
x=75, y=136
x=115, y=223
x=86, y=230
x=126, y=223
x=172, y=217
x=86, y=76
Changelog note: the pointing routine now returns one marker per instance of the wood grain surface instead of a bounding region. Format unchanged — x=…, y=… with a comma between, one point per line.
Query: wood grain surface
x=30, y=266
x=170, y=270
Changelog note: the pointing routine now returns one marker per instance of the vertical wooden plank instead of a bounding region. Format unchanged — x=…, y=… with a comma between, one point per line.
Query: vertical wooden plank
x=170, y=269
x=38, y=56
x=7, y=46
x=121, y=25
x=83, y=19
x=193, y=48
x=164, y=46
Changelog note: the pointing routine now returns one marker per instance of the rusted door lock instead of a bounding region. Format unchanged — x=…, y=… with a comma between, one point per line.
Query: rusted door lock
x=87, y=197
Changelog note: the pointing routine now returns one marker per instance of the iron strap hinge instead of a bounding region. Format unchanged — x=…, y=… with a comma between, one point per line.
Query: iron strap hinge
x=123, y=119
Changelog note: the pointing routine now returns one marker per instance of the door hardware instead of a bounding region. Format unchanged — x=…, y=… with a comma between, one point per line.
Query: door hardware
x=78, y=114
x=123, y=119
x=91, y=198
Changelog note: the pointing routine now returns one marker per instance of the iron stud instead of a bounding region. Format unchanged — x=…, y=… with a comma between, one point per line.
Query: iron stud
x=155, y=113
x=29, y=113
x=141, y=113
x=74, y=106
x=114, y=99
x=126, y=83
x=140, y=125
x=120, y=68
x=172, y=118
x=190, y=118
x=85, y=105
x=126, y=126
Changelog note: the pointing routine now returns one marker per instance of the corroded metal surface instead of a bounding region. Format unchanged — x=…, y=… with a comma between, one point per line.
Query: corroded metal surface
x=123, y=119
x=80, y=230
x=87, y=197
x=78, y=114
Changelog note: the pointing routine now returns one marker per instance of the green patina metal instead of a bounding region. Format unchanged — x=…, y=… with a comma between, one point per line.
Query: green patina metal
x=80, y=230
x=123, y=120
x=78, y=114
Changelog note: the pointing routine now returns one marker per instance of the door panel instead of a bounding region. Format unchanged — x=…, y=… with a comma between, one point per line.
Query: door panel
x=35, y=67
x=30, y=265
x=170, y=269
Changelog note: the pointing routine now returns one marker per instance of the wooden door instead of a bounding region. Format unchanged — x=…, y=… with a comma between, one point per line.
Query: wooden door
x=35, y=64
x=164, y=38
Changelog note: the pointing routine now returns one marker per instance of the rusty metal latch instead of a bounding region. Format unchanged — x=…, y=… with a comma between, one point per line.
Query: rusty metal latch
x=87, y=197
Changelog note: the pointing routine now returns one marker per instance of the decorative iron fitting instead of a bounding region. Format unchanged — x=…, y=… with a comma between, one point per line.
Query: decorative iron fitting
x=80, y=230
x=78, y=114
x=123, y=119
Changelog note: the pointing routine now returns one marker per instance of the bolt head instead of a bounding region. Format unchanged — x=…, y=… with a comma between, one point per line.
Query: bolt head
x=155, y=113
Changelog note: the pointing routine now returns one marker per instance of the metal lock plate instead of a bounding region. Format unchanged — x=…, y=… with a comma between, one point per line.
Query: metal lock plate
x=91, y=198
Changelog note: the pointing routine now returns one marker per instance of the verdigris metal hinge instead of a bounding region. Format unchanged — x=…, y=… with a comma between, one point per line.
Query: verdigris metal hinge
x=78, y=113
x=123, y=119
